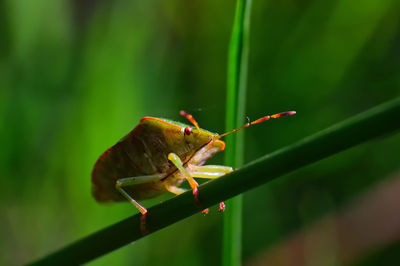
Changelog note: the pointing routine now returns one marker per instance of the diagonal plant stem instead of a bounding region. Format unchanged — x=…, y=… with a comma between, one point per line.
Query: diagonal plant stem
x=235, y=112
x=376, y=122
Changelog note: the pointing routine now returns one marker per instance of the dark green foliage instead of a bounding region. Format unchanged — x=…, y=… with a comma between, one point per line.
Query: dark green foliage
x=76, y=76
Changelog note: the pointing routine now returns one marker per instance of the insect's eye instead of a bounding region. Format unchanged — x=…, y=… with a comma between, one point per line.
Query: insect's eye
x=188, y=130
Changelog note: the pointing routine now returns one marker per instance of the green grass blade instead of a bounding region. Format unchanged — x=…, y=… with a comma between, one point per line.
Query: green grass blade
x=376, y=122
x=235, y=113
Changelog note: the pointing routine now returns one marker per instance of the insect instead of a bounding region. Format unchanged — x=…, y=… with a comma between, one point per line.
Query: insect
x=157, y=156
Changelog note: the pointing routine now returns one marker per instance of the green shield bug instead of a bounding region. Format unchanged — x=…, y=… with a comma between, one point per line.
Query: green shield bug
x=157, y=156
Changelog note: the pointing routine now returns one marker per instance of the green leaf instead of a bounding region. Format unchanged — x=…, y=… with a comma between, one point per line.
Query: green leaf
x=235, y=112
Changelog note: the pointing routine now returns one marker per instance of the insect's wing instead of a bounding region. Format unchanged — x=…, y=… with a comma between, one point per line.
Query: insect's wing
x=144, y=152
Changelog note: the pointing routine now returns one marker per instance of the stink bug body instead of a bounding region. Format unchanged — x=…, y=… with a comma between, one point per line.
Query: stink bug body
x=157, y=156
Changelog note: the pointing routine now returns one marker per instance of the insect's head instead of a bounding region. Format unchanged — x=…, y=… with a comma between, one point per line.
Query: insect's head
x=193, y=134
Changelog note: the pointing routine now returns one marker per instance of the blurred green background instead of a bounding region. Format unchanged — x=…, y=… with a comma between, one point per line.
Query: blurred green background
x=76, y=76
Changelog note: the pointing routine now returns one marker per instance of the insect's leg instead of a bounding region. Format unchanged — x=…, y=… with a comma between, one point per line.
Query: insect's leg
x=177, y=191
x=142, y=209
x=212, y=168
x=135, y=180
x=209, y=171
x=174, y=189
x=178, y=163
x=130, y=181
x=193, y=184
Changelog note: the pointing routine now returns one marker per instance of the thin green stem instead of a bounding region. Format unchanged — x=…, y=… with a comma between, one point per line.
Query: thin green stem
x=235, y=112
x=376, y=122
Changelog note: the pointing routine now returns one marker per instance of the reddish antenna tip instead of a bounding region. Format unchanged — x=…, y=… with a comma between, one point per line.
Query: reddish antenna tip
x=291, y=113
x=283, y=114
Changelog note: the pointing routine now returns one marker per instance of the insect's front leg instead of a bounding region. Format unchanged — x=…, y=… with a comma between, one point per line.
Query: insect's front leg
x=193, y=184
x=210, y=172
x=177, y=191
x=206, y=171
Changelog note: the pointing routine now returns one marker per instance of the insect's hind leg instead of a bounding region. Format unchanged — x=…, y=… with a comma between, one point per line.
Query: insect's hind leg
x=135, y=180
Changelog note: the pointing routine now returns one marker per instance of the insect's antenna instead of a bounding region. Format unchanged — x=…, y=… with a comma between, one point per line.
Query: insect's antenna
x=190, y=118
x=262, y=119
